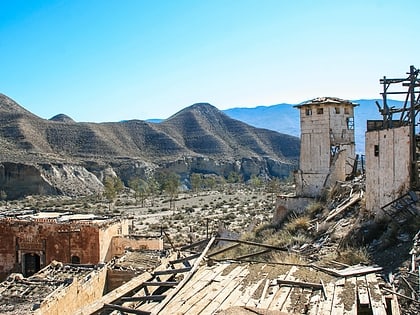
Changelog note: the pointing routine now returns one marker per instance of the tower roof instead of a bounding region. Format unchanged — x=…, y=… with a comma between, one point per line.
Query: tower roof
x=326, y=100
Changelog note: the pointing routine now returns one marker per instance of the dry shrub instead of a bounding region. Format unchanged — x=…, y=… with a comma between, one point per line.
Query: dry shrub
x=353, y=256
x=300, y=223
x=314, y=208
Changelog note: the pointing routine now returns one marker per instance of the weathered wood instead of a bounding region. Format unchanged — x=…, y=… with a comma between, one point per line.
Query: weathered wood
x=350, y=271
x=208, y=302
x=253, y=243
x=182, y=259
x=223, y=250
x=375, y=295
x=160, y=283
x=252, y=255
x=355, y=198
x=301, y=284
x=115, y=294
x=351, y=298
x=157, y=297
x=187, y=277
x=401, y=295
x=362, y=291
x=326, y=304
x=337, y=306
x=192, y=245
x=171, y=271
x=125, y=309
x=282, y=294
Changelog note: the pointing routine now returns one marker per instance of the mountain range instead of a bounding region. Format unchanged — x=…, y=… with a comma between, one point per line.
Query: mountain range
x=61, y=156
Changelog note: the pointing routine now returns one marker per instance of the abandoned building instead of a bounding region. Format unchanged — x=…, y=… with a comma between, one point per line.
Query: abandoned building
x=31, y=241
x=392, y=150
x=327, y=148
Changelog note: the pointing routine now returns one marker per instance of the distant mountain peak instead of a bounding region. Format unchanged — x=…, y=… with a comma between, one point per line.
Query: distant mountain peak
x=62, y=118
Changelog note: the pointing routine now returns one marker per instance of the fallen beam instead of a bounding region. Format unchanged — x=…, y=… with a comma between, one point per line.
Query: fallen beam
x=179, y=260
x=156, y=297
x=301, y=284
x=125, y=309
x=253, y=243
x=160, y=284
x=171, y=271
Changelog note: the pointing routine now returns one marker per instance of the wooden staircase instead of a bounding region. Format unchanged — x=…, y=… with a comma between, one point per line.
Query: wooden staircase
x=403, y=208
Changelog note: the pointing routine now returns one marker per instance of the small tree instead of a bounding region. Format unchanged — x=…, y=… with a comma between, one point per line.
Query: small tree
x=273, y=187
x=171, y=187
x=196, y=181
x=112, y=186
x=141, y=189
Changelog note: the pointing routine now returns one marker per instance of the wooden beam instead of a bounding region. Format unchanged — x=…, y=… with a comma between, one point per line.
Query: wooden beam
x=171, y=271
x=253, y=243
x=301, y=284
x=187, y=277
x=179, y=260
x=157, y=297
x=253, y=254
x=125, y=309
x=223, y=250
x=194, y=244
x=114, y=295
x=160, y=283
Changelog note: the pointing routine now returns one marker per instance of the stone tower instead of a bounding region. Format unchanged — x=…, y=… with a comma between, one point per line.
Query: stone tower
x=327, y=149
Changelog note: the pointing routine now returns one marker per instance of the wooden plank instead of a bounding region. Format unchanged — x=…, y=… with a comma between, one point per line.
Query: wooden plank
x=199, y=282
x=351, y=298
x=375, y=295
x=362, y=291
x=290, y=302
x=187, y=277
x=115, y=294
x=326, y=304
x=337, y=304
x=294, y=283
x=200, y=300
x=271, y=293
x=281, y=290
x=304, y=300
x=192, y=245
x=314, y=303
x=216, y=298
x=283, y=293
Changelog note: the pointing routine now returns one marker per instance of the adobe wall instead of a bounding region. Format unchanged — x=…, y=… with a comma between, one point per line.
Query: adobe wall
x=48, y=239
x=106, y=233
x=388, y=155
x=120, y=243
x=78, y=294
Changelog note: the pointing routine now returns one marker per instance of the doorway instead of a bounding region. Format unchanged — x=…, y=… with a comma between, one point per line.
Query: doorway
x=31, y=264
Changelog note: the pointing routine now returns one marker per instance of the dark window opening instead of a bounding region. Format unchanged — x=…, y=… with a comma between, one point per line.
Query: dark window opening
x=308, y=112
x=337, y=110
x=75, y=260
x=350, y=123
x=320, y=111
x=376, y=150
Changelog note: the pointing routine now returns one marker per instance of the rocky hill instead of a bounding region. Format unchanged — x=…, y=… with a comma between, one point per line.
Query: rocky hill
x=63, y=156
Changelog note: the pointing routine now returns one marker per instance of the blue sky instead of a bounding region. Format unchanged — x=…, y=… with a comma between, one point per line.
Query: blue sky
x=106, y=60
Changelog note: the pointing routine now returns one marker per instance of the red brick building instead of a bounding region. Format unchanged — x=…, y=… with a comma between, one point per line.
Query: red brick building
x=30, y=242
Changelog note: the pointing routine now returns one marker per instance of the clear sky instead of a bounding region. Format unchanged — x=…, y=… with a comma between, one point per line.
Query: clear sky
x=111, y=60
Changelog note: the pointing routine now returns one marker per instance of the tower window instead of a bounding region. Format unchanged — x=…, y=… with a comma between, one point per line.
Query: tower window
x=308, y=112
x=350, y=123
x=320, y=111
x=346, y=110
x=337, y=110
x=376, y=150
